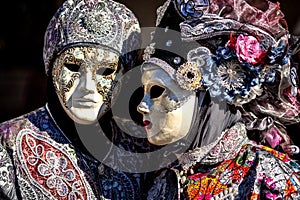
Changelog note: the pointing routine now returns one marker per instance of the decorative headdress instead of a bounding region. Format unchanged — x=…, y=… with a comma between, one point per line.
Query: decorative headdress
x=90, y=22
x=242, y=57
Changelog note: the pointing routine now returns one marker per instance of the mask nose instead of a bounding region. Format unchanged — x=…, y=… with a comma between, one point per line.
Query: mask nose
x=143, y=107
x=87, y=83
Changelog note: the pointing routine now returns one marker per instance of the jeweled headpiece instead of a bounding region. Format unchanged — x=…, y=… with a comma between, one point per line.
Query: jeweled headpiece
x=90, y=22
x=248, y=44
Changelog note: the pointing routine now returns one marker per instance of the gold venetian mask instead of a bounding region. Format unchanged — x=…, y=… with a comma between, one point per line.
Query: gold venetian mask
x=84, y=78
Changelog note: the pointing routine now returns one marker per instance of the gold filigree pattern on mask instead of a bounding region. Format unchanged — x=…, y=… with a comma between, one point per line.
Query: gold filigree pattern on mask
x=169, y=102
x=83, y=59
x=69, y=85
x=71, y=82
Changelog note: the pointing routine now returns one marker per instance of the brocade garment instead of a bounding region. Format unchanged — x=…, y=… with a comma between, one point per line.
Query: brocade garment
x=38, y=161
x=234, y=168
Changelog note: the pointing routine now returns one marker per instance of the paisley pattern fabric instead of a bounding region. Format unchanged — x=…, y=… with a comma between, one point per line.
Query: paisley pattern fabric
x=37, y=161
x=48, y=167
x=250, y=171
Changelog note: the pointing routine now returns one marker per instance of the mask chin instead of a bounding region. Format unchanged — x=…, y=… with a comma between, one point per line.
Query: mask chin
x=83, y=116
x=177, y=124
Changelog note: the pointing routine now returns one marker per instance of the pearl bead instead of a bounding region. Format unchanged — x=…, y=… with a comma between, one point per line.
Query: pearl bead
x=177, y=60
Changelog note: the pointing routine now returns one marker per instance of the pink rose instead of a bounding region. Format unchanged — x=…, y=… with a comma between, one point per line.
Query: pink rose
x=273, y=137
x=248, y=49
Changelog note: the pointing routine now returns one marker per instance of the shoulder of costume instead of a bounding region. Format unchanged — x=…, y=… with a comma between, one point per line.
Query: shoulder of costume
x=11, y=128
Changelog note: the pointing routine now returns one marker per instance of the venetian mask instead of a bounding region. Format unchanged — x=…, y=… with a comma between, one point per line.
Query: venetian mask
x=167, y=109
x=84, y=78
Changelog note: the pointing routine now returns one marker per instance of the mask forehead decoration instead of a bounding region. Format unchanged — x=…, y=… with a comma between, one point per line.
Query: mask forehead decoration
x=86, y=22
x=188, y=75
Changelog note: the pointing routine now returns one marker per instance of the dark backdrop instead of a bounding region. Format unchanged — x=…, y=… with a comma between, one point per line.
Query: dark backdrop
x=22, y=27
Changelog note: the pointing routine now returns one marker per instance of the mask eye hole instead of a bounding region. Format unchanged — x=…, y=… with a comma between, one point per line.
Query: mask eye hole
x=156, y=91
x=105, y=71
x=72, y=67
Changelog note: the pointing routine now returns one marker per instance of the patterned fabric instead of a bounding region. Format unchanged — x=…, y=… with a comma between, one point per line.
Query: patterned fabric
x=246, y=56
x=77, y=22
x=251, y=171
x=39, y=162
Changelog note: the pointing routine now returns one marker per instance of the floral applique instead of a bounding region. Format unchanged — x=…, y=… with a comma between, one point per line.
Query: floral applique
x=49, y=167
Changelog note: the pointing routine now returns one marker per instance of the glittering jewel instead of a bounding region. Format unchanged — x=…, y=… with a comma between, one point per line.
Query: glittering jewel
x=177, y=60
x=231, y=75
x=189, y=76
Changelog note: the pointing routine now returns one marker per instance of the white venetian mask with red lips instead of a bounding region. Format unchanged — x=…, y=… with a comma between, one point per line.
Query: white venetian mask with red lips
x=84, y=78
x=167, y=109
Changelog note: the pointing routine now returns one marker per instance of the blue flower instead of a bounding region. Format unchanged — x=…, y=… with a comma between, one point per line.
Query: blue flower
x=226, y=78
x=277, y=53
x=224, y=53
x=192, y=8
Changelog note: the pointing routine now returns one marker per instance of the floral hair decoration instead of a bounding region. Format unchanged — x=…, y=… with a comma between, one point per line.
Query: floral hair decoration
x=244, y=59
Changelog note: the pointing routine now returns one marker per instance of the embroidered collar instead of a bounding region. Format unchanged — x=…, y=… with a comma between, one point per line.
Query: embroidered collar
x=223, y=148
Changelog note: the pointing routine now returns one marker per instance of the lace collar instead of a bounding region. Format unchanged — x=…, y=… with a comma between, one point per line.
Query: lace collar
x=224, y=147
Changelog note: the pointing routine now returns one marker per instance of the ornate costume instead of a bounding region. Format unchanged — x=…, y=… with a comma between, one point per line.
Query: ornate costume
x=38, y=161
x=235, y=168
x=87, y=45
x=231, y=62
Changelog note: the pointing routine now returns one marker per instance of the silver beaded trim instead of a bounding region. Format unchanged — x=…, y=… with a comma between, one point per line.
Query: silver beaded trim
x=164, y=65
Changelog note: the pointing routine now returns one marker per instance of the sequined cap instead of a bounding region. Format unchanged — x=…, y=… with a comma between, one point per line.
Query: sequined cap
x=90, y=22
